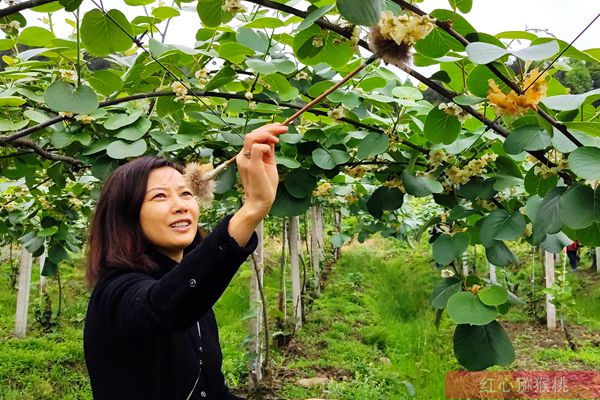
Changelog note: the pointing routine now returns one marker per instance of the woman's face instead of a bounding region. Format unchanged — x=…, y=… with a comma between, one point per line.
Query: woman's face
x=169, y=213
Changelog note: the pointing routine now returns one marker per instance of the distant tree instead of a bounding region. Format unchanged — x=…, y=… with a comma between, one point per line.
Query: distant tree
x=578, y=79
x=594, y=69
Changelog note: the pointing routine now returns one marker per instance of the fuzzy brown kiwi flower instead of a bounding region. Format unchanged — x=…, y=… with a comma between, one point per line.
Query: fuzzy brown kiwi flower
x=204, y=190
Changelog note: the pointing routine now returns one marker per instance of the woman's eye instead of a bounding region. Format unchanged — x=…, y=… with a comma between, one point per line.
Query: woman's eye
x=159, y=195
x=187, y=193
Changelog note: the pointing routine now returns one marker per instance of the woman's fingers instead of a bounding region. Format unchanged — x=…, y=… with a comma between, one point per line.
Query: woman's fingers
x=264, y=134
x=261, y=152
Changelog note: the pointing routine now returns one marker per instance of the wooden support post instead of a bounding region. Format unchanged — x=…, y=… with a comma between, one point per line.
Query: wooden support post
x=549, y=273
x=294, y=239
x=598, y=259
x=42, y=260
x=315, y=251
x=492, y=268
x=23, y=293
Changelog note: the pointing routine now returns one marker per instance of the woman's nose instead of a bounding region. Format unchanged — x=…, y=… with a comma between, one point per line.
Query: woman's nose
x=179, y=205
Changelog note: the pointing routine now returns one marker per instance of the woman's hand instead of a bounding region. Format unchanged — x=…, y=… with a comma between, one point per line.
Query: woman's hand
x=258, y=169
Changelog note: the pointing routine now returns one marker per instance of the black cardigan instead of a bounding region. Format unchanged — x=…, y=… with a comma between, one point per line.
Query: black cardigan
x=141, y=338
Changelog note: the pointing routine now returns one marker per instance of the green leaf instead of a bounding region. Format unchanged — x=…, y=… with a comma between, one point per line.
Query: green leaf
x=105, y=82
x=329, y=158
x=466, y=308
x=384, y=198
x=537, y=184
x=479, y=347
x=547, y=218
x=467, y=100
x=448, y=248
x=286, y=205
x=313, y=16
x=584, y=162
x=165, y=12
x=374, y=143
x=120, y=149
x=266, y=22
x=234, y=52
x=60, y=96
x=538, y=52
x=35, y=36
x=61, y=139
x=589, y=128
x=556, y=242
x=580, y=206
x=484, y=53
x=444, y=289
x=493, y=295
x=11, y=101
x=8, y=125
x=221, y=78
x=420, y=186
x=101, y=36
x=138, y=2
x=527, y=138
x=500, y=225
x=464, y=6
x=566, y=102
x=135, y=131
x=262, y=67
x=252, y=39
x=361, y=12
x=211, y=14
x=477, y=80
x=48, y=231
x=48, y=7
x=118, y=121
x=500, y=255
x=478, y=188
x=70, y=5
x=441, y=127
x=300, y=183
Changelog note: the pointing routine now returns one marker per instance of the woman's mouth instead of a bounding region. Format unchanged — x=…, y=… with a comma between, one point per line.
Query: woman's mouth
x=181, y=225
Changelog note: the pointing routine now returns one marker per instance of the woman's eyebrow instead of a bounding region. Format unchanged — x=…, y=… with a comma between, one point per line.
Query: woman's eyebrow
x=165, y=189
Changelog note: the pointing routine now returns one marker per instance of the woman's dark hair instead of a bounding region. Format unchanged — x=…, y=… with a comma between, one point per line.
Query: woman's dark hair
x=115, y=238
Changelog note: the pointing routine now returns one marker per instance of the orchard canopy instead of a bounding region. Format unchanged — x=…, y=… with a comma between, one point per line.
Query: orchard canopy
x=498, y=146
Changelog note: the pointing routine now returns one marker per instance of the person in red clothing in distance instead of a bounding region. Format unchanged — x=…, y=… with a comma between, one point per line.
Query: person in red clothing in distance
x=572, y=251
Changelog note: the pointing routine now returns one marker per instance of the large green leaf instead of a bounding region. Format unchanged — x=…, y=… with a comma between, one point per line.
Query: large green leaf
x=313, y=16
x=120, y=149
x=221, y=78
x=384, y=198
x=61, y=96
x=499, y=254
x=466, y=308
x=493, y=295
x=300, y=183
x=500, y=225
x=70, y=5
x=35, y=36
x=464, y=6
x=118, y=121
x=479, y=347
x=448, y=248
x=537, y=184
x=420, y=186
x=484, y=53
x=566, y=102
x=286, y=205
x=329, y=158
x=580, y=206
x=530, y=138
x=105, y=82
x=538, y=52
x=101, y=36
x=584, y=162
x=234, y=52
x=445, y=288
x=556, y=242
x=211, y=13
x=374, y=143
x=361, y=12
x=441, y=127
x=135, y=131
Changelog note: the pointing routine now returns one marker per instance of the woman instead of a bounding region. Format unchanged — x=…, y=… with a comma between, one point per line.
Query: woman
x=150, y=332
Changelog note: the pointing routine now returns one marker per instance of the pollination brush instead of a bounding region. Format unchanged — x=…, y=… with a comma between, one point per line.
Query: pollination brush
x=390, y=40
